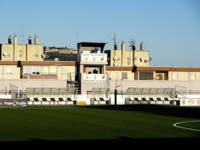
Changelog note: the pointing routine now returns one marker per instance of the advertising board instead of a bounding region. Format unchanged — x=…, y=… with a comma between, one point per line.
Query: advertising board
x=190, y=102
x=13, y=102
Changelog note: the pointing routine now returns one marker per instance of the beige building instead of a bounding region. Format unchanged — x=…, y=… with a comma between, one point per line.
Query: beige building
x=125, y=58
x=134, y=65
x=37, y=70
x=93, y=68
x=153, y=73
x=13, y=51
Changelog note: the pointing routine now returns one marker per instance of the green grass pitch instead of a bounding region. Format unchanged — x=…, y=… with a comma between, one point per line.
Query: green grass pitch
x=137, y=122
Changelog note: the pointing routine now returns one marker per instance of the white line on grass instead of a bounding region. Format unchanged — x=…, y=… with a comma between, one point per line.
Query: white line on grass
x=178, y=123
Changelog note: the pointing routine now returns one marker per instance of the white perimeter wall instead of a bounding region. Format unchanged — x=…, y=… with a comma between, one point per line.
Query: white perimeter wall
x=22, y=84
x=125, y=84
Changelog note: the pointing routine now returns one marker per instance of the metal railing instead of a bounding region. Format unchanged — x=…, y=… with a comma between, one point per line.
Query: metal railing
x=12, y=94
x=31, y=92
x=99, y=93
x=163, y=92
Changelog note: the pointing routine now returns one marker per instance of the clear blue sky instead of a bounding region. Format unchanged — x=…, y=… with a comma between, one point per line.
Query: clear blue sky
x=170, y=29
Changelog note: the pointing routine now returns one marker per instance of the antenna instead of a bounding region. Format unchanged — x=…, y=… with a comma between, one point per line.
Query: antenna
x=115, y=42
x=23, y=35
x=77, y=37
x=114, y=38
x=131, y=42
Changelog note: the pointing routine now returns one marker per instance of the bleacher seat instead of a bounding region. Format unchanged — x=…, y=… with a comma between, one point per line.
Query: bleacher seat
x=98, y=96
x=150, y=95
x=52, y=95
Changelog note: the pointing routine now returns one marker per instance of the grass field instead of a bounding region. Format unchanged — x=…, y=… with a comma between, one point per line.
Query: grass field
x=103, y=123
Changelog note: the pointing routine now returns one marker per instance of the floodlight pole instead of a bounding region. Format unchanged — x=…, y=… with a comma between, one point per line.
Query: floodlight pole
x=115, y=93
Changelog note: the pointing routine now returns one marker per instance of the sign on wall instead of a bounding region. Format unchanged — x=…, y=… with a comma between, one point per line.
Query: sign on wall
x=93, y=57
x=94, y=77
x=13, y=102
x=190, y=102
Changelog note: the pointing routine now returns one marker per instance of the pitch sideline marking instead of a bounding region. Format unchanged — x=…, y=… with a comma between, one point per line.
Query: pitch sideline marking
x=176, y=125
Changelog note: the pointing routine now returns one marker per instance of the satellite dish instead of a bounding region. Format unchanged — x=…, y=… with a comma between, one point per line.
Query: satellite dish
x=4, y=54
x=43, y=56
x=115, y=58
x=56, y=59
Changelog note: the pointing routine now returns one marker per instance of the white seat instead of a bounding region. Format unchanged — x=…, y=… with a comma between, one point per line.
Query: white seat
x=96, y=99
x=155, y=99
x=69, y=99
x=158, y=99
x=162, y=98
x=152, y=98
x=60, y=99
x=167, y=98
x=136, y=99
x=72, y=98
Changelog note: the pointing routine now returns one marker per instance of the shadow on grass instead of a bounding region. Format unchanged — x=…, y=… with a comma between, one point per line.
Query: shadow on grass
x=120, y=142
x=176, y=111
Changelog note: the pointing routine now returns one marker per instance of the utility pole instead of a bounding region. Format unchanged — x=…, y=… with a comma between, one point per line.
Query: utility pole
x=114, y=39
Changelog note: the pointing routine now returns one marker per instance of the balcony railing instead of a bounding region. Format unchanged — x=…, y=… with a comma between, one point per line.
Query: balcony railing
x=95, y=77
x=94, y=58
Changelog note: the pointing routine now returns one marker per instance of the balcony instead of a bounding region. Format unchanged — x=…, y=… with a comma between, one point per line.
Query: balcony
x=92, y=58
x=94, y=77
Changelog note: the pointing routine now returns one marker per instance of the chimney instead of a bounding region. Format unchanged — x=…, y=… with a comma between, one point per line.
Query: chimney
x=36, y=39
x=142, y=46
x=123, y=48
x=115, y=46
x=10, y=39
x=30, y=40
x=133, y=46
x=15, y=39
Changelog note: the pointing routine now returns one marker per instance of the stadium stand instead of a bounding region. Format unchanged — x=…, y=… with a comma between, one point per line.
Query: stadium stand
x=149, y=95
x=51, y=96
x=99, y=96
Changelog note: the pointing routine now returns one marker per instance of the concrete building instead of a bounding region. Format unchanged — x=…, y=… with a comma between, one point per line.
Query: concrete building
x=126, y=58
x=134, y=65
x=26, y=61
x=91, y=66
x=21, y=52
x=60, y=54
